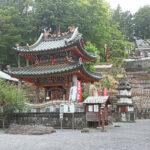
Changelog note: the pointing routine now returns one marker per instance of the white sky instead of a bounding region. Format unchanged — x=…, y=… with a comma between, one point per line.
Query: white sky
x=131, y=5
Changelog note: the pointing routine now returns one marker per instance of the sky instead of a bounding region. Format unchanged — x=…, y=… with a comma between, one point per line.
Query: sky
x=131, y=5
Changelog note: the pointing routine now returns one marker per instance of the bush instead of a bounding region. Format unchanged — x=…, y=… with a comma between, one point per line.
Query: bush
x=11, y=98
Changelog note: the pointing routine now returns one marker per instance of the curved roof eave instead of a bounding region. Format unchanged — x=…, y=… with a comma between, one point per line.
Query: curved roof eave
x=90, y=55
x=91, y=74
x=43, y=70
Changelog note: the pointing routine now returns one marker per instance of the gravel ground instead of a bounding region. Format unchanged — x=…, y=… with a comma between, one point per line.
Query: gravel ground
x=129, y=136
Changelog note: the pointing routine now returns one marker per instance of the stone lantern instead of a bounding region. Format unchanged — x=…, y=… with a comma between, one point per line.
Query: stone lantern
x=125, y=107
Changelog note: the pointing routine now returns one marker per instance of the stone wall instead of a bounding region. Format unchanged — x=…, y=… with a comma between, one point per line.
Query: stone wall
x=143, y=115
x=137, y=65
x=140, y=83
x=76, y=120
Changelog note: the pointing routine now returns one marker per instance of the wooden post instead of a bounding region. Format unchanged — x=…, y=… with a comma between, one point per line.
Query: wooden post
x=45, y=94
x=99, y=117
x=74, y=80
x=103, y=120
x=103, y=116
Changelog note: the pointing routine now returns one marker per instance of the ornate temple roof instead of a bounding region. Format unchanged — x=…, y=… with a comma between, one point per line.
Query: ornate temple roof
x=51, y=70
x=50, y=43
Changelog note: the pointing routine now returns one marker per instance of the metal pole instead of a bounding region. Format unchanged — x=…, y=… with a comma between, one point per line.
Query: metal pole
x=61, y=119
x=61, y=123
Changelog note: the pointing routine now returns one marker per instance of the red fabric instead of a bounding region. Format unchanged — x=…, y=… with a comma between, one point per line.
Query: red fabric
x=53, y=61
x=99, y=92
x=79, y=92
x=105, y=92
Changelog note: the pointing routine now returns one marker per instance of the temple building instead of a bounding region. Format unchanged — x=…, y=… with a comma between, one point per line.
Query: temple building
x=125, y=105
x=55, y=64
x=140, y=59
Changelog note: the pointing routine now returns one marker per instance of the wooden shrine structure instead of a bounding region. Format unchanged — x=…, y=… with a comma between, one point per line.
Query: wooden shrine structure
x=55, y=62
x=96, y=108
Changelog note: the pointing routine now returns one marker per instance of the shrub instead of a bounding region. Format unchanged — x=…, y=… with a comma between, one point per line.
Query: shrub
x=11, y=98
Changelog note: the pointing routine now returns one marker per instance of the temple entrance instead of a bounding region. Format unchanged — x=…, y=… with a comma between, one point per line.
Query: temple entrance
x=55, y=93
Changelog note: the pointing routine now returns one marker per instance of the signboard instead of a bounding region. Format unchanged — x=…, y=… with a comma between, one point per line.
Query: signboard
x=33, y=110
x=67, y=108
x=61, y=115
x=63, y=108
x=79, y=91
x=71, y=108
x=96, y=108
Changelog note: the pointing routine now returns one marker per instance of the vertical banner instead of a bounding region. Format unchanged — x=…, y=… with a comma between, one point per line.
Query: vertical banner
x=73, y=93
x=99, y=92
x=105, y=92
x=79, y=92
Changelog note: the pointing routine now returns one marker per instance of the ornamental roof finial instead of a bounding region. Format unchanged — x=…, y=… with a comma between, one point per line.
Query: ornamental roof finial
x=46, y=33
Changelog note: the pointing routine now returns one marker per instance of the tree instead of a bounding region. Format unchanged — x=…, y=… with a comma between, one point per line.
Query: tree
x=9, y=33
x=11, y=98
x=124, y=21
x=15, y=27
x=142, y=22
x=90, y=48
x=93, y=17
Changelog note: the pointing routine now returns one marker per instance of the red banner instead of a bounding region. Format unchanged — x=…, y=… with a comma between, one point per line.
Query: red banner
x=105, y=92
x=79, y=92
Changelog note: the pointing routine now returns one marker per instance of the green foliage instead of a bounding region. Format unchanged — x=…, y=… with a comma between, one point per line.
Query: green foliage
x=142, y=22
x=133, y=25
x=11, y=98
x=15, y=27
x=93, y=17
x=124, y=21
x=105, y=82
x=9, y=33
x=90, y=48
x=84, y=95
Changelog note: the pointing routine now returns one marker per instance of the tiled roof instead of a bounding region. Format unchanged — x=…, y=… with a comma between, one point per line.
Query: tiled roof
x=44, y=45
x=42, y=70
x=51, y=43
x=54, y=43
x=96, y=99
x=50, y=69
